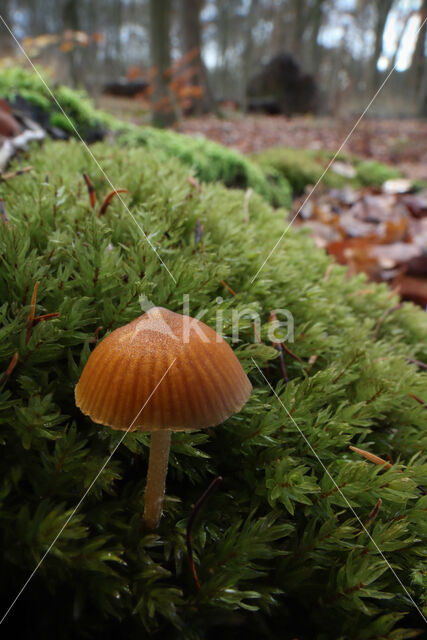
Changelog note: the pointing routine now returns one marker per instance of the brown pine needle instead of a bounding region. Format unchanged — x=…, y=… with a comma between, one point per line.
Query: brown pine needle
x=383, y=318
x=32, y=319
x=10, y=368
x=107, y=200
x=416, y=398
x=91, y=190
x=32, y=312
x=371, y=457
x=14, y=174
x=194, y=183
x=45, y=316
x=375, y=511
x=224, y=284
x=273, y=318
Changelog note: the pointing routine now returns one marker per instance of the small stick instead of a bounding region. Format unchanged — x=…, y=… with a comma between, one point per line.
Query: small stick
x=273, y=318
x=10, y=368
x=91, y=190
x=45, y=316
x=199, y=504
x=375, y=511
x=14, y=174
x=282, y=362
x=414, y=397
x=97, y=330
x=194, y=183
x=32, y=312
x=345, y=368
x=224, y=284
x=421, y=365
x=291, y=353
x=107, y=200
x=312, y=359
x=371, y=457
x=384, y=316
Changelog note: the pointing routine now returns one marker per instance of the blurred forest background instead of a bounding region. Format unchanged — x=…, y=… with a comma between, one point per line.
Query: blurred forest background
x=190, y=56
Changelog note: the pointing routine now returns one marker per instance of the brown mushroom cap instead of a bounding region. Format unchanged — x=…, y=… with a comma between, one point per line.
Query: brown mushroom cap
x=203, y=387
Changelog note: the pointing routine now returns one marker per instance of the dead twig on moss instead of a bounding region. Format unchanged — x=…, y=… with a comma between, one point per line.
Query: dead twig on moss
x=107, y=200
x=91, y=190
x=12, y=364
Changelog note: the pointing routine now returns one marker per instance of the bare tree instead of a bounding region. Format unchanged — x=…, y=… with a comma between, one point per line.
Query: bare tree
x=191, y=35
x=316, y=22
x=418, y=68
x=162, y=104
x=382, y=10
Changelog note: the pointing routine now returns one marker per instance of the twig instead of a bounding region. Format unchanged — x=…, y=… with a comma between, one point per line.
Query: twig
x=194, y=183
x=371, y=457
x=14, y=174
x=32, y=312
x=273, y=318
x=282, y=362
x=10, y=368
x=91, y=190
x=224, y=284
x=414, y=397
x=384, y=316
x=352, y=361
x=421, y=365
x=45, y=316
x=375, y=511
x=98, y=329
x=107, y=200
x=32, y=319
x=311, y=361
x=199, y=504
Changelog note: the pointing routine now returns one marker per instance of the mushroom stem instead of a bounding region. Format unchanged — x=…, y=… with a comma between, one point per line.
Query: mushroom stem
x=156, y=478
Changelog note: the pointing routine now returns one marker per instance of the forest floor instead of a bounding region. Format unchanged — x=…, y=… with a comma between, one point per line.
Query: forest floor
x=383, y=234
x=401, y=143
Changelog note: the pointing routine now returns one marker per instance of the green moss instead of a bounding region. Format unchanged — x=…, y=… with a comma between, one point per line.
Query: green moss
x=42, y=93
x=212, y=162
x=370, y=172
x=303, y=167
x=68, y=124
x=278, y=549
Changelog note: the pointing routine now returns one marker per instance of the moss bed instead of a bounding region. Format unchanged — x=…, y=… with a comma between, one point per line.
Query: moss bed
x=303, y=167
x=278, y=548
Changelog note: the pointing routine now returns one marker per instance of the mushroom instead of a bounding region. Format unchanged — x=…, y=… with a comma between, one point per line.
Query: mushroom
x=202, y=384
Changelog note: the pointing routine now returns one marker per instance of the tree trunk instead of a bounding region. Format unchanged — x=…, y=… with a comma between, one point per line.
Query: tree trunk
x=383, y=9
x=418, y=68
x=70, y=18
x=223, y=42
x=247, y=50
x=192, y=41
x=162, y=103
x=316, y=21
x=7, y=44
x=298, y=31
